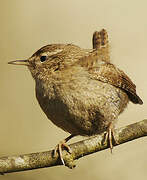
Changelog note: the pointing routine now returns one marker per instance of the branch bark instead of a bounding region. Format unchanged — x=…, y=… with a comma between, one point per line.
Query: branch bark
x=79, y=149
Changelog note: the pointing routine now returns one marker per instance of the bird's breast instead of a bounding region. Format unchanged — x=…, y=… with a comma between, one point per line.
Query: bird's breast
x=80, y=105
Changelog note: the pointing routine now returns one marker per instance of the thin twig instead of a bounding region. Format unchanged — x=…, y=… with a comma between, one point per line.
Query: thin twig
x=80, y=149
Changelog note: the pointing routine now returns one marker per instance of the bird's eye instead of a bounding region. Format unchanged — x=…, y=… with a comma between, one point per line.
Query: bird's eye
x=43, y=58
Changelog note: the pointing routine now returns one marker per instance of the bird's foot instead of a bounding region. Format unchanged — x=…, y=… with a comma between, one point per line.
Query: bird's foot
x=58, y=149
x=110, y=138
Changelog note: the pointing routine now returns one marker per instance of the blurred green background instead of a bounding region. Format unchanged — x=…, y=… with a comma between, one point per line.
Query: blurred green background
x=27, y=25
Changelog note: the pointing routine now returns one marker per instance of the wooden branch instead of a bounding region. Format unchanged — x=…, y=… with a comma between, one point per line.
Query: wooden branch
x=79, y=149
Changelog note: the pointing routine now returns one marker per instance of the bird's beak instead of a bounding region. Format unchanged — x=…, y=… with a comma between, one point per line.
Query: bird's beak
x=19, y=62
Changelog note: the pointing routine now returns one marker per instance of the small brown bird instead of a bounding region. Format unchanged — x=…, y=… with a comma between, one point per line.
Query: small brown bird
x=79, y=90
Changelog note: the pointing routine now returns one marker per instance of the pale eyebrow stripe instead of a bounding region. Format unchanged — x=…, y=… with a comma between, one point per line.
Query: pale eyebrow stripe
x=53, y=52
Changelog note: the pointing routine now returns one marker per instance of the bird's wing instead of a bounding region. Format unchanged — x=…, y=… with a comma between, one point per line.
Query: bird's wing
x=108, y=73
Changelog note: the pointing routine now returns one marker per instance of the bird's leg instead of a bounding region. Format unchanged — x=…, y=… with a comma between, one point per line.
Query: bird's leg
x=110, y=136
x=60, y=146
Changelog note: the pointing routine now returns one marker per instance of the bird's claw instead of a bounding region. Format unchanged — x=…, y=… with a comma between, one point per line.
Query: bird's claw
x=58, y=149
x=110, y=138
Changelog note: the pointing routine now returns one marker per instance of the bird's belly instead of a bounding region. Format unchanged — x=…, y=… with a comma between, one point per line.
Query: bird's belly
x=84, y=111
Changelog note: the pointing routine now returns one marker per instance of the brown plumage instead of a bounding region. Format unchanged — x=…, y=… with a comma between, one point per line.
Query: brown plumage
x=108, y=73
x=79, y=90
x=101, y=44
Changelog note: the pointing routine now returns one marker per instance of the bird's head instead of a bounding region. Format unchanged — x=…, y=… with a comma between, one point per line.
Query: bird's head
x=48, y=58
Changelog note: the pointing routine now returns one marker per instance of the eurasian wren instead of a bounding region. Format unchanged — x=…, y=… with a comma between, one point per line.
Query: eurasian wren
x=79, y=90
